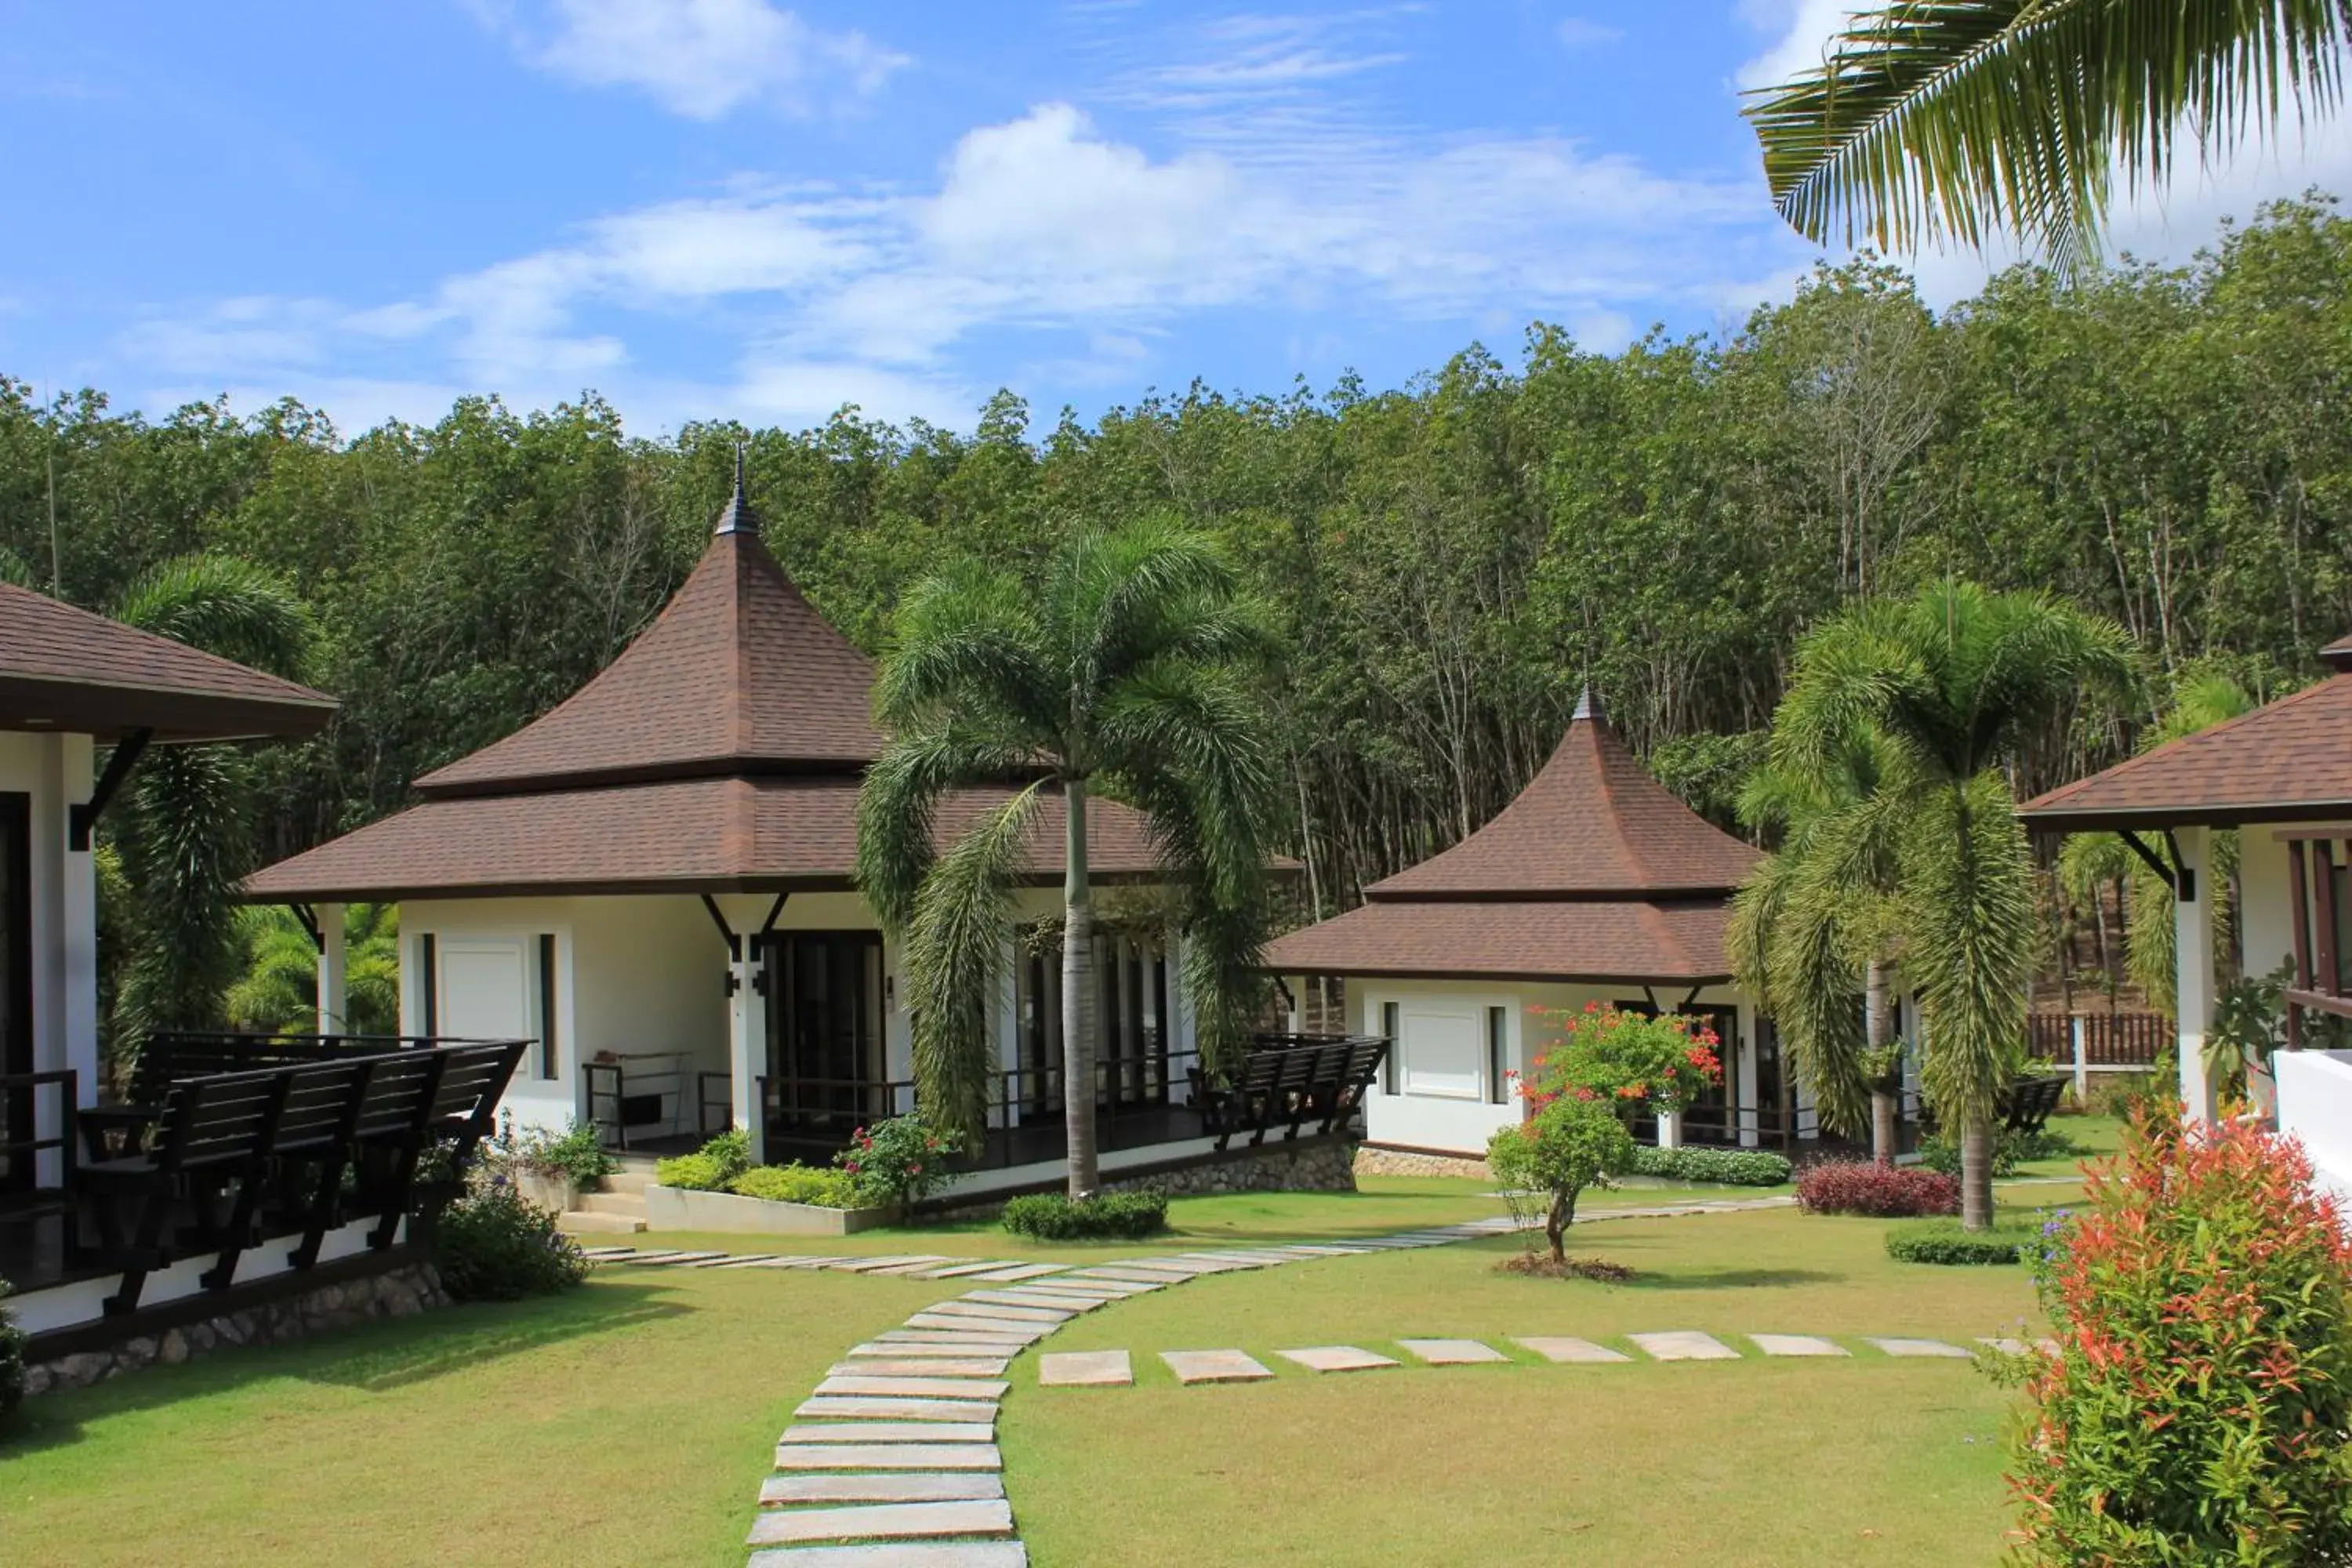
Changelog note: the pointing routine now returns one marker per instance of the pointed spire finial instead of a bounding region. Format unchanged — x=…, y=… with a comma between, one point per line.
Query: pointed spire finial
x=1588, y=706
x=738, y=516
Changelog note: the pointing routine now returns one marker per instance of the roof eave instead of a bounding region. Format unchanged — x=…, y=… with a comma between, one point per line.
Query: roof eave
x=2095, y=819
x=110, y=710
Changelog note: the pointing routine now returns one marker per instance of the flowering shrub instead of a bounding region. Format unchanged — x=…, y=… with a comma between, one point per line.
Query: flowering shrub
x=898, y=1162
x=1631, y=1062
x=1884, y=1192
x=1567, y=1145
x=2200, y=1408
x=1733, y=1167
x=576, y=1154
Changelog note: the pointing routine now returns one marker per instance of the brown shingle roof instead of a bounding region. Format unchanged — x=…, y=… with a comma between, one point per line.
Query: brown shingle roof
x=65, y=668
x=738, y=675
x=2288, y=761
x=706, y=834
x=1617, y=939
x=1593, y=822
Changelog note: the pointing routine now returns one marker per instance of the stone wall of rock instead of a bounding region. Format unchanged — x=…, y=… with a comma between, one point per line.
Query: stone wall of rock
x=1371, y=1161
x=397, y=1293
x=1320, y=1167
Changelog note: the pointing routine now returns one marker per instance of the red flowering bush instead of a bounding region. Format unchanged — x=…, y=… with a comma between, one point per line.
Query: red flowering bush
x=1635, y=1063
x=2198, y=1409
x=896, y=1164
x=1884, y=1192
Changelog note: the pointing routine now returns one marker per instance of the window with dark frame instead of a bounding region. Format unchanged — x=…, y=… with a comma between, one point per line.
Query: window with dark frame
x=547, y=1056
x=1389, y=1062
x=1499, y=1052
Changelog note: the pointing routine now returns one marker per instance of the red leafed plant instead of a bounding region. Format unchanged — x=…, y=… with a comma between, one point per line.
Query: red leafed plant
x=2198, y=1407
x=1885, y=1192
x=1637, y=1063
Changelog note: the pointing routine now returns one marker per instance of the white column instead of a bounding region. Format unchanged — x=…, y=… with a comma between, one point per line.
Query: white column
x=333, y=971
x=747, y=1045
x=2081, y=1061
x=2193, y=985
x=1008, y=1038
x=1670, y=1131
x=1749, y=1105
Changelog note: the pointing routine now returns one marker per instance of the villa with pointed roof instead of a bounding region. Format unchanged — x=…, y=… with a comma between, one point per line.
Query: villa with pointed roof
x=1595, y=884
x=654, y=882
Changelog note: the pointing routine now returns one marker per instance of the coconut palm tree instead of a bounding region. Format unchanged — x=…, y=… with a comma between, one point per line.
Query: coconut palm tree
x=183, y=828
x=1961, y=117
x=1821, y=919
x=1124, y=672
x=1945, y=688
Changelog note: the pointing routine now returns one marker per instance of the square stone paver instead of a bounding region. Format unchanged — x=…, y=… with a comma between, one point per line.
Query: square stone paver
x=778, y=1492
x=899, y=1555
x=1454, y=1353
x=958, y=1271
x=1568, y=1348
x=1020, y=1271
x=1798, y=1344
x=916, y=1387
x=889, y=1456
x=884, y=1522
x=919, y=1366
x=1034, y=1296
x=1336, y=1358
x=1684, y=1344
x=981, y=1429
x=877, y=1351
x=998, y=1311
x=981, y=1328
x=1930, y=1349
x=852, y=1407
x=1214, y=1367
x=1085, y=1369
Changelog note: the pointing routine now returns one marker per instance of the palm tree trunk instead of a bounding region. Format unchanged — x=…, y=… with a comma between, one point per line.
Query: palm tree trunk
x=1878, y=1029
x=1975, y=1174
x=1078, y=1000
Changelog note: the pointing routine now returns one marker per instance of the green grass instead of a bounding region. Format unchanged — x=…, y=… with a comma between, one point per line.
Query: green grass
x=628, y=1422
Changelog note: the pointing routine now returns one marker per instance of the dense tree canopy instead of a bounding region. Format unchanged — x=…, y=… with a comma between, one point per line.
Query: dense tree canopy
x=1448, y=560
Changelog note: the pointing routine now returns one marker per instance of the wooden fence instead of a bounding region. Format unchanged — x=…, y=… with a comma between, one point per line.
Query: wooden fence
x=2099, y=1039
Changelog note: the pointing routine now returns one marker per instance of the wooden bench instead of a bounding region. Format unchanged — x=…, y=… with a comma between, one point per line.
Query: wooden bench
x=168, y=1058
x=1294, y=1082
x=2026, y=1105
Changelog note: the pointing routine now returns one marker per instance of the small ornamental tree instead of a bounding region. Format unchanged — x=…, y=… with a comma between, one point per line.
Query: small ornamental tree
x=1636, y=1064
x=2199, y=1407
x=1570, y=1144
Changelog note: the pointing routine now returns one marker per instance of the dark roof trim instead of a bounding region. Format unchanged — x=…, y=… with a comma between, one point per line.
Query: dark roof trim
x=685, y=886
x=1532, y=978
x=2095, y=820
x=69, y=705
x=1694, y=893
x=713, y=767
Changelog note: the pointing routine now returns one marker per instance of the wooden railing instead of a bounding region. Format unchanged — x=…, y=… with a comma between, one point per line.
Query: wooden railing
x=2316, y=860
x=2107, y=1039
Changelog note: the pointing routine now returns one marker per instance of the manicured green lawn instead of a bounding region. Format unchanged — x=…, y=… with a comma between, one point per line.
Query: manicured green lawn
x=626, y=1423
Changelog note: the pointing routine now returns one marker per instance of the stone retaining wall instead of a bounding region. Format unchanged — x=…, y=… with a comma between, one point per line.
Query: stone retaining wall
x=397, y=1293
x=1321, y=1167
x=1371, y=1161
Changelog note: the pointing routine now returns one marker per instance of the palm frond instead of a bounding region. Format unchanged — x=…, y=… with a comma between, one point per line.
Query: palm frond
x=956, y=963
x=968, y=641
x=1934, y=118
x=897, y=803
x=1968, y=892
x=227, y=607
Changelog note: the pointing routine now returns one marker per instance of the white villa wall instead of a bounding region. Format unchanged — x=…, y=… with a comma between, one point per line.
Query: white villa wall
x=55, y=770
x=2266, y=918
x=2315, y=1091
x=1444, y=1099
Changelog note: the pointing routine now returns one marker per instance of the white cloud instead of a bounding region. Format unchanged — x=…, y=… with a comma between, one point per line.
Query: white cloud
x=1801, y=30
x=702, y=59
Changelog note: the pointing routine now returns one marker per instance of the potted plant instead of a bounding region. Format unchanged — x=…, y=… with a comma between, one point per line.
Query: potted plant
x=548, y=1169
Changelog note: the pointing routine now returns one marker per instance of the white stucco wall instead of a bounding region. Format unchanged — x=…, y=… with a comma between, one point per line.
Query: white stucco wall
x=2314, y=1089
x=55, y=770
x=1447, y=1104
x=2266, y=918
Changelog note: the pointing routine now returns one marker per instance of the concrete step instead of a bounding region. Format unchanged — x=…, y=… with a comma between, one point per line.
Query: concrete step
x=582, y=1222
x=631, y=1206
x=633, y=1181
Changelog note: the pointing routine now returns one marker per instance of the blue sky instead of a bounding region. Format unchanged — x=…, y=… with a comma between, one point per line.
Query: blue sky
x=716, y=208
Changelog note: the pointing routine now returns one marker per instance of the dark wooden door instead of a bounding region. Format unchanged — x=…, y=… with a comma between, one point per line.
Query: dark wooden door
x=825, y=1026
x=16, y=978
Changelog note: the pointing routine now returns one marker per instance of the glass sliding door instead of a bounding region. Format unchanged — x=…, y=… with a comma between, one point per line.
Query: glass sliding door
x=827, y=1063
x=15, y=981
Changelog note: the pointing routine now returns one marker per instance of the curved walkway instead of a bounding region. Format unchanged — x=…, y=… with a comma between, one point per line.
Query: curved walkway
x=892, y=1461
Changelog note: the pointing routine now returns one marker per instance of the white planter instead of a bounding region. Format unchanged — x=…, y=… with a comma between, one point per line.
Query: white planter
x=555, y=1193
x=678, y=1208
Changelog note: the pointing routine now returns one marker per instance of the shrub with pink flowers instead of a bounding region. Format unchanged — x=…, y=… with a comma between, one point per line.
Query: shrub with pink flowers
x=1634, y=1063
x=2199, y=1407
x=1882, y=1191
x=898, y=1162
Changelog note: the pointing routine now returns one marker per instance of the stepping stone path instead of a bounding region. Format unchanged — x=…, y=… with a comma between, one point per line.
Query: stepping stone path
x=1568, y=1348
x=1452, y=1352
x=1085, y=1369
x=1925, y=1348
x=1684, y=1346
x=893, y=1462
x=1214, y=1367
x=1798, y=1344
x=1336, y=1358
